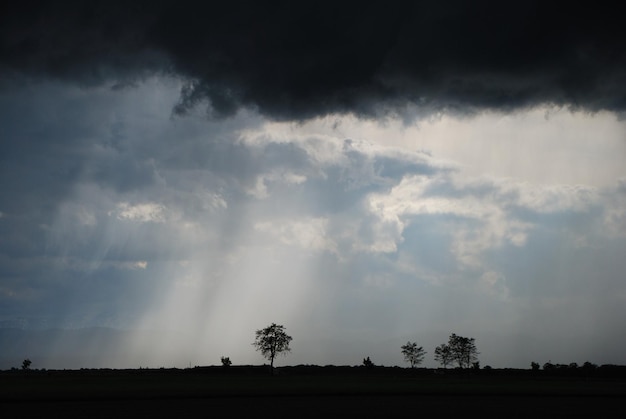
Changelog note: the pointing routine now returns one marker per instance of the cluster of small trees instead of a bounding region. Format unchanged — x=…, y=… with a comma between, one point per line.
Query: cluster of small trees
x=459, y=350
x=549, y=366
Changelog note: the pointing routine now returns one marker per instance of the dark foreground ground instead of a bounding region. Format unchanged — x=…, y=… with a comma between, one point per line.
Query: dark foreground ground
x=377, y=406
x=305, y=393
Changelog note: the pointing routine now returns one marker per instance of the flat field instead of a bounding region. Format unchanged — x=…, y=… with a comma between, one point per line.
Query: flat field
x=305, y=392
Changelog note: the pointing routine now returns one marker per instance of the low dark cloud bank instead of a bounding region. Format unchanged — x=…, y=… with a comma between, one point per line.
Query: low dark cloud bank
x=296, y=60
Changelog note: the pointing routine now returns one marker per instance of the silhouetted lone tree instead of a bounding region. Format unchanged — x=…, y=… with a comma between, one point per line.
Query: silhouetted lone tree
x=413, y=354
x=459, y=349
x=367, y=363
x=226, y=362
x=272, y=341
x=26, y=364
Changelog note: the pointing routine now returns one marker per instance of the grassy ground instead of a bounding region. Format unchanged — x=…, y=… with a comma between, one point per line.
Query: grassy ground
x=306, y=392
x=355, y=392
x=108, y=384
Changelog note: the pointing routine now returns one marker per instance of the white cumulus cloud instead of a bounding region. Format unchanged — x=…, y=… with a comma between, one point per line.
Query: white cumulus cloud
x=144, y=213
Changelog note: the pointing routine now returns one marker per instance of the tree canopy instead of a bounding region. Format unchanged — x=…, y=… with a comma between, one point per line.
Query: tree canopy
x=443, y=355
x=413, y=354
x=459, y=349
x=271, y=341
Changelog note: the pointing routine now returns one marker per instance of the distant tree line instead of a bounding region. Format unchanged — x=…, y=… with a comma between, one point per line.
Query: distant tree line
x=459, y=351
x=273, y=340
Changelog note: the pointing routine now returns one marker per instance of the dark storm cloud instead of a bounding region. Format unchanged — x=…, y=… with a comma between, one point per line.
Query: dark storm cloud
x=300, y=60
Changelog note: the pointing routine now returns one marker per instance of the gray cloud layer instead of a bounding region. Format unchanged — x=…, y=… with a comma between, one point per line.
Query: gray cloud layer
x=114, y=214
x=302, y=60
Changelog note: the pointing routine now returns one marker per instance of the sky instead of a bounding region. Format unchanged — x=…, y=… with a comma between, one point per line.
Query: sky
x=363, y=175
